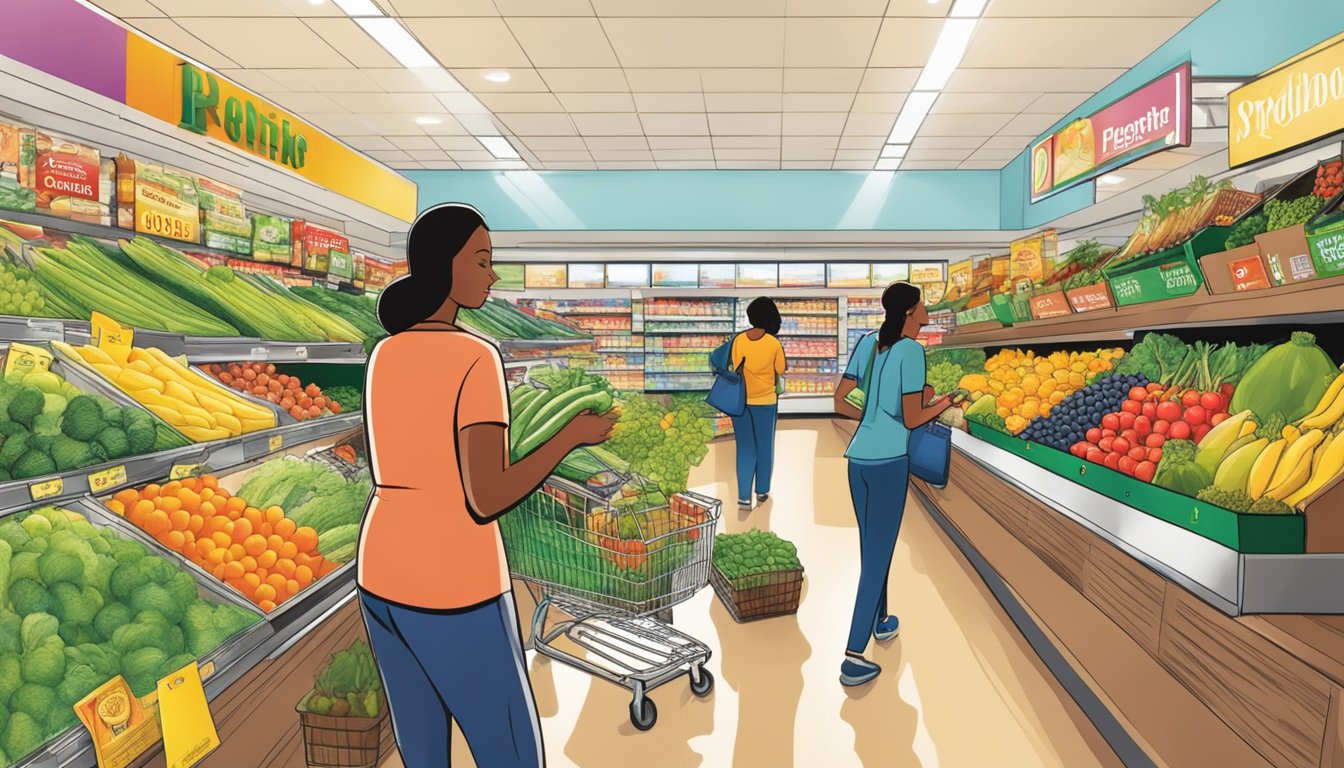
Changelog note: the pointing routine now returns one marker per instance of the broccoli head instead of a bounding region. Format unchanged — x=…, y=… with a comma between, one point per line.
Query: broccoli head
x=33, y=463
x=26, y=406
x=27, y=596
x=36, y=628
x=83, y=419
x=24, y=734
x=11, y=675
x=52, y=407
x=58, y=565
x=76, y=605
x=113, y=616
x=45, y=664
x=78, y=634
x=127, y=552
x=102, y=658
x=10, y=639
x=24, y=566
x=47, y=424
x=127, y=580
x=14, y=446
x=114, y=442
x=69, y=453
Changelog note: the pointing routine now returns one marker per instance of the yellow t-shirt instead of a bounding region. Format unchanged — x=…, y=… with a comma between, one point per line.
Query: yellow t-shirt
x=762, y=363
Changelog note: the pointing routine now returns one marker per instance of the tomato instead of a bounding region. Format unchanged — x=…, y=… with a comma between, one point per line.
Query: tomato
x=1138, y=393
x=1218, y=418
x=1161, y=427
x=1145, y=471
x=1226, y=391
x=1119, y=445
x=1169, y=411
x=1131, y=436
x=1200, y=431
x=1108, y=433
x=1079, y=449
x=1155, y=441
x=1191, y=397
x=1195, y=415
x=1132, y=406
x=1094, y=435
x=1107, y=443
x=1212, y=402
x=1127, y=465
x=1127, y=420
x=1095, y=455
x=1154, y=455
x=1179, y=431
x=1110, y=421
x=1150, y=410
x=1112, y=461
x=1143, y=425
x=1138, y=453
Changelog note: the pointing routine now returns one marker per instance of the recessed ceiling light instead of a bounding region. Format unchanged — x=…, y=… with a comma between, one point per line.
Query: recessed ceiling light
x=498, y=77
x=888, y=164
x=1111, y=178
x=947, y=53
x=427, y=120
x=913, y=112
x=358, y=8
x=499, y=147
x=967, y=9
x=895, y=150
x=397, y=41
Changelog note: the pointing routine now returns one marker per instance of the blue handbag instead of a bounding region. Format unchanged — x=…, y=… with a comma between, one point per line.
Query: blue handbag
x=929, y=449
x=729, y=391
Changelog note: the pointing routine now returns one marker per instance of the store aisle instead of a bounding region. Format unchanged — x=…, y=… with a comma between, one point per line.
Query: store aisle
x=959, y=687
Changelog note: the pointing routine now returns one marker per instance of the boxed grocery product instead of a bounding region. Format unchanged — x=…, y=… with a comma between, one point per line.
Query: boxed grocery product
x=1235, y=270
x=1033, y=258
x=67, y=178
x=14, y=194
x=1287, y=255
x=960, y=279
x=166, y=203
x=270, y=239
x=224, y=220
x=318, y=245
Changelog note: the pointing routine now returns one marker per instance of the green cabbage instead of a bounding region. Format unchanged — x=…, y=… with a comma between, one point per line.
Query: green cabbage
x=1289, y=380
x=1178, y=471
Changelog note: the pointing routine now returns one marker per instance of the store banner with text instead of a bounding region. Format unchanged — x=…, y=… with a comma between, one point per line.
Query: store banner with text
x=1293, y=105
x=1151, y=119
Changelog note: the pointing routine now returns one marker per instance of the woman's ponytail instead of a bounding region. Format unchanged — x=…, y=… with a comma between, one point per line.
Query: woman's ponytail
x=898, y=299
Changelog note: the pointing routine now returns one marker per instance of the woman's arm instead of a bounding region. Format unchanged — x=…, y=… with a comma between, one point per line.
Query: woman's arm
x=842, y=406
x=916, y=414
x=781, y=362
x=493, y=486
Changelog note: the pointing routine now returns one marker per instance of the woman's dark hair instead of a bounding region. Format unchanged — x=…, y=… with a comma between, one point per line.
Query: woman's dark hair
x=763, y=314
x=898, y=299
x=435, y=239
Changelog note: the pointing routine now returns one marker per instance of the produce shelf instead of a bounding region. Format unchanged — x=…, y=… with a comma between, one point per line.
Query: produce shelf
x=72, y=227
x=814, y=334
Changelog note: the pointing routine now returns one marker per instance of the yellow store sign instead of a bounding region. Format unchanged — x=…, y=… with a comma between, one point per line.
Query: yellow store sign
x=160, y=84
x=1299, y=102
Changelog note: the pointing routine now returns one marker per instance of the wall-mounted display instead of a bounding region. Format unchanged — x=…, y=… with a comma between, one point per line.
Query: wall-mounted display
x=675, y=275
x=718, y=276
x=845, y=275
x=545, y=276
x=802, y=275
x=587, y=276
x=886, y=274
x=757, y=275
x=623, y=275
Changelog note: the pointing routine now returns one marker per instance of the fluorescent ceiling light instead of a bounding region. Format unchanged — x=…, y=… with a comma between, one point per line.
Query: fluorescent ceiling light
x=888, y=164
x=499, y=147
x=498, y=77
x=358, y=8
x=397, y=41
x=1111, y=178
x=968, y=9
x=895, y=150
x=916, y=108
x=947, y=53
x=427, y=120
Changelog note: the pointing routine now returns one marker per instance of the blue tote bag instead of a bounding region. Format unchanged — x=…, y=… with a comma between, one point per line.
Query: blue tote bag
x=930, y=446
x=729, y=391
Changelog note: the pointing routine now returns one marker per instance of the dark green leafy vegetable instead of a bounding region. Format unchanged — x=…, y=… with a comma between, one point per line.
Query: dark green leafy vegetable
x=1245, y=232
x=1158, y=356
x=1178, y=471
x=1286, y=213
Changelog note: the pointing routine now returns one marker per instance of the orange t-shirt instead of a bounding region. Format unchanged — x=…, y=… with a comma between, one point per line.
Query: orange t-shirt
x=419, y=544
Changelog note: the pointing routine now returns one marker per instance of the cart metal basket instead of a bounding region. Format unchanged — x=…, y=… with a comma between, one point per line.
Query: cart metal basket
x=610, y=569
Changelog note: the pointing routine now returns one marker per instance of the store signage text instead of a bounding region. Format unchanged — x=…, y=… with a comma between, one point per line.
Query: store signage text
x=1151, y=119
x=1297, y=104
x=258, y=129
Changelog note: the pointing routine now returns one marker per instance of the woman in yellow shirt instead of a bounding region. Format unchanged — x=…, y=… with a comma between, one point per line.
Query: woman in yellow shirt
x=761, y=356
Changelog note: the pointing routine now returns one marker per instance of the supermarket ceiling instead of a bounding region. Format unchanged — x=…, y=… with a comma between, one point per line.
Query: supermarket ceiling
x=666, y=84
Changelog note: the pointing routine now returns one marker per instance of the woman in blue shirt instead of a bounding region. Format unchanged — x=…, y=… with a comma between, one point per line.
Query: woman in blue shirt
x=897, y=401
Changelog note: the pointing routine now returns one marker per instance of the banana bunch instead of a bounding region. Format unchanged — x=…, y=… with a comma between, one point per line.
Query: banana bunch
x=1309, y=453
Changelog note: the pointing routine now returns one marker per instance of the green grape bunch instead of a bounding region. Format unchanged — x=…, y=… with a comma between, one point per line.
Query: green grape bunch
x=19, y=293
x=661, y=444
x=1287, y=213
x=944, y=376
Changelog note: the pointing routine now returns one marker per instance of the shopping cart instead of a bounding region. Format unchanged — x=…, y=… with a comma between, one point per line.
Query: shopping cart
x=610, y=569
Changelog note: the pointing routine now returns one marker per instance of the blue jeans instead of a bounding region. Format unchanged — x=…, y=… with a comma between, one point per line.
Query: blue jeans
x=878, y=491
x=754, y=432
x=468, y=665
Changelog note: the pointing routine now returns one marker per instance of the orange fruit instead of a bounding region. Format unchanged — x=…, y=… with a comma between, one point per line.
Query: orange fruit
x=275, y=541
x=289, y=551
x=286, y=567
x=180, y=518
x=117, y=507
x=150, y=491
x=195, y=523
x=292, y=587
x=319, y=566
x=274, y=515
x=234, y=570
x=205, y=546
x=207, y=509
x=305, y=539
x=285, y=527
x=237, y=551
x=267, y=559
x=262, y=573
x=156, y=522
x=169, y=504
x=264, y=592
x=242, y=528
x=171, y=488
x=210, y=481
x=254, y=516
x=277, y=582
x=214, y=524
x=141, y=508
x=219, y=571
x=190, y=501
x=254, y=545
x=221, y=539
x=127, y=497
x=252, y=581
x=303, y=575
x=176, y=540
x=236, y=503
x=249, y=563
x=207, y=494
x=266, y=530
x=266, y=605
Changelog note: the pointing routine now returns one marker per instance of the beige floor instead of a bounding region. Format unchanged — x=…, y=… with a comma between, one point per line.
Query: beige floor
x=959, y=686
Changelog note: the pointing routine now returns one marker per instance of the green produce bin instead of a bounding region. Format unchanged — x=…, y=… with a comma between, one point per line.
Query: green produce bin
x=1166, y=274
x=1327, y=253
x=981, y=314
x=1009, y=309
x=1248, y=534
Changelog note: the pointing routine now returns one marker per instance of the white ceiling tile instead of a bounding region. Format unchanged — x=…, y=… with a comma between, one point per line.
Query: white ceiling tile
x=748, y=165
x=1038, y=80
x=818, y=102
x=680, y=142
x=744, y=124
x=1029, y=125
x=472, y=157
x=997, y=155
x=168, y=32
x=1066, y=8
x=596, y=102
x=258, y=43
x=829, y=42
x=1057, y=103
x=422, y=155
x=339, y=80
x=414, y=142
x=492, y=165
x=1007, y=142
x=622, y=155
x=619, y=166
x=862, y=142
x=440, y=165
x=664, y=80
x=692, y=124
x=455, y=144
x=921, y=8
x=617, y=143
x=313, y=103
x=481, y=125
x=856, y=154
x=742, y=80
x=998, y=41
x=879, y=102
x=798, y=80
x=814, y=123
x=469, y=42
x=586, y=80
x=947, y=142
x=443, y=7
x=905, y=42
x=870, y=123
x=697, y=42
x=408, y=165
x=388, y=155
x=798, y=143
x=929, y=165
x=391, y=123
x=852, y=165
x=746, y=142
x=538, y=124
x=937, y=154
x=352, y=42
x=565, y=156
x=979, y=103
x=254, y=80
x=746, y=154
x=448, y=126
x=614, y=124
x=963, y=125
x=699, y=155
x=400, y=80
x=670, y=102
x=129, y=9
x=685, y=165
x=744, y=102
x=836, y=7
x=554, y=143
x=806, y=165
x=342, y=125
x=462, y=104
x=981, y=165
x=571, y=166
x=683, y=8
x=521, y=80
x=544, y=7
x=890, y=80
x=520, y=102
x=827, y=155
x=388, y=102
x=563, y=42
x=367, y=143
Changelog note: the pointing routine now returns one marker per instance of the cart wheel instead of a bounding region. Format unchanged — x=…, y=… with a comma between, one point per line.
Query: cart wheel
x=643, y=714
x=705, y=685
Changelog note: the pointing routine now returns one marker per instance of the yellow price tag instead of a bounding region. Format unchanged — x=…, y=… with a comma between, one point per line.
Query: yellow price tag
x=183, y=471
x=26, y=359
x=189, y=732
x=107, y=478
x=275, y=443
x=111, y=337
x=46, y=489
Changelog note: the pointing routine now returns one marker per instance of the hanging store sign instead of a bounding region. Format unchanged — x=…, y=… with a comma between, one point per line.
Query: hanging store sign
x=1293, y=105
x=1149, y=120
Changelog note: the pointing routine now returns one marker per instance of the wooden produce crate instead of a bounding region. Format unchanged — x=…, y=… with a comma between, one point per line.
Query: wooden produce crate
x=1237, y=270
x=759, y=597
x=342, y=742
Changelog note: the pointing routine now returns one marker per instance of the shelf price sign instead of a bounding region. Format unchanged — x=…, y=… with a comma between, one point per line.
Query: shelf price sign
x=107, y=479
x=46, y=489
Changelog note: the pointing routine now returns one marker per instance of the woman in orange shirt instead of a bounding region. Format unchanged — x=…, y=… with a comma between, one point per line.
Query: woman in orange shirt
x=761, y=357
x=433, y=579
